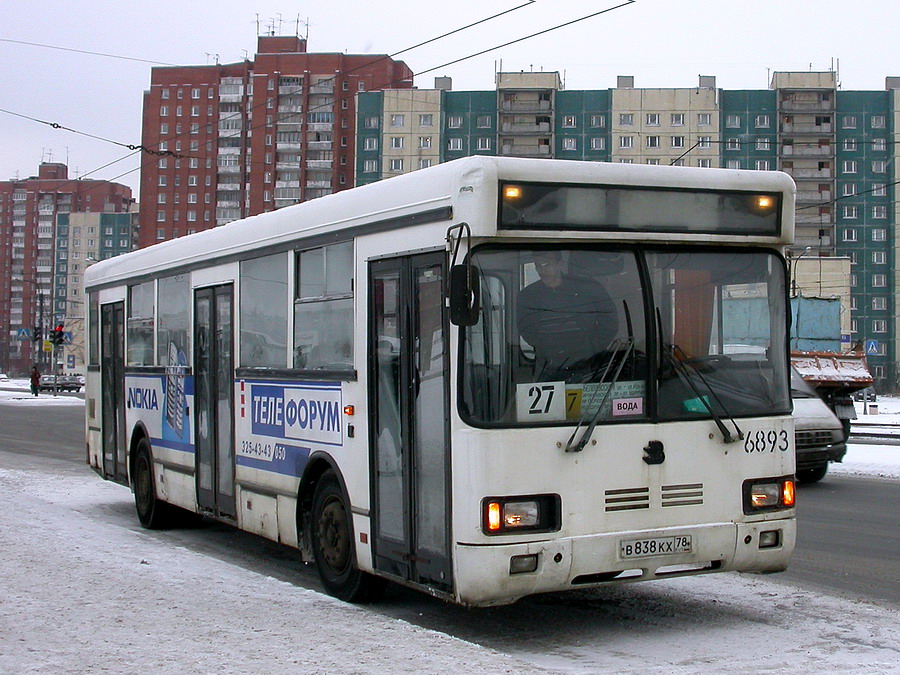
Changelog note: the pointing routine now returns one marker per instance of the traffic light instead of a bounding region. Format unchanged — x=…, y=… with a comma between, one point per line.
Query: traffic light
x=58, y=338
x=37, y=334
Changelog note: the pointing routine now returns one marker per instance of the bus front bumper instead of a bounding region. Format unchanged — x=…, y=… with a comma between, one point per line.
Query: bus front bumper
x=497, y=574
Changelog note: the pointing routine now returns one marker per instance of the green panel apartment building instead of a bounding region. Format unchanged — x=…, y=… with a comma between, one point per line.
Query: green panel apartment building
x=838, y=145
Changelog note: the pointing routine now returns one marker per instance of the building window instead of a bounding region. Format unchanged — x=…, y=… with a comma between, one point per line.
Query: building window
x=454, y=144
x=733, y=121
x=879, y=234
x=397, y=142
x=483, y=144
x=652, y=141
x=398, y=120
x=879, y=257
x=424, y=163
x=568, y=121
x=653, y=162
x=178, y=111
x=704, y=119
x=195, y=111
x=848, y=189
x=598, y=143
x=879, y=166
x=704, y=142
x=879, y=144
x=160, y=199
x=598, y=121
x=850, y=144
x=879, y=190
x=850, y=234
x=677, y=119
x=677, y=141
x=371, y=122
x=849, y=122
x=370, y=143
x=879, y=326
x=732, y=144
x=483, y=121
x=879, y=302
x=569, y=144
x=426, y=120
x=652, y=119
x=878, y=121
x=164, y=94
x=762, y=122
x=192, y=181
x=626, y=142
x=192, y=216
x=160, y=216
x=850, y=166
x=161, y=181
x=879, y=212
x=424, y=142
x=455, y=122
x=762, y=144
x=626, y=161
x=703, y=163
x=851, y=212
x=163, y=111
x=626, y=119
x=733, y=164
x=192, y=198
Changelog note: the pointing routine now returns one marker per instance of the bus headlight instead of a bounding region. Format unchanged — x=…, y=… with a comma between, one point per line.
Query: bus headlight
x=505, y=515
x=768, y=494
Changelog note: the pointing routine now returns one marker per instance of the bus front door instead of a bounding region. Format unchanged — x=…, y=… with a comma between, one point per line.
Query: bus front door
x=112, y=376
x=213, y=394
x=410, y=456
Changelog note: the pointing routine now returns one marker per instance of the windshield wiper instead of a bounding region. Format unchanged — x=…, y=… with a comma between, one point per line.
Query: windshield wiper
x=613, y=349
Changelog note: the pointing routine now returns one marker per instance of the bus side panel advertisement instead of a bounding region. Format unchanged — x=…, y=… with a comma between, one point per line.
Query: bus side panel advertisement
x=161, y=403
x=283, y=420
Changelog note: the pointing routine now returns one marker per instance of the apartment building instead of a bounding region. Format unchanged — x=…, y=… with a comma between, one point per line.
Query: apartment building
x=838, y=145
x=233, y=140
x=50, y=229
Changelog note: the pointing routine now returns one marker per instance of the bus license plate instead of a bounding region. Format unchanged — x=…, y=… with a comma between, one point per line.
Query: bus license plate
x=642, y=548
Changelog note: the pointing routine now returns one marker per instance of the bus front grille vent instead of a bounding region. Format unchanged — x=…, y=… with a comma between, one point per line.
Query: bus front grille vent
x=689, y=494
x=627, y=499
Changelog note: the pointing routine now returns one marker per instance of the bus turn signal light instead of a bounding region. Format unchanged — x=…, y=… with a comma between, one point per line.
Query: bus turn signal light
x=787, y=493
x=493, y=516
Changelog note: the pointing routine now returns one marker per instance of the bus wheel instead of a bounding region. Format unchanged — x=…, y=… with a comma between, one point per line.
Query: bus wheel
x=332, y=543
x=153, y=513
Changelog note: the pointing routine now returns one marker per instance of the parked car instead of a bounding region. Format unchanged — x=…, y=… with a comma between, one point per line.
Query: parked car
x=60, y=383
x=4, y=377
x=818, y=433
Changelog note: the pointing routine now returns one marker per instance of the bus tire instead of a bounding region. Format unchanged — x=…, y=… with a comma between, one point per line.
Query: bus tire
x=332, y=544
x=153, y=513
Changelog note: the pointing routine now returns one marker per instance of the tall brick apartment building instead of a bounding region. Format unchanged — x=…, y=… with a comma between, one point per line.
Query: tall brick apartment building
x=50, y=228
x=239, y=139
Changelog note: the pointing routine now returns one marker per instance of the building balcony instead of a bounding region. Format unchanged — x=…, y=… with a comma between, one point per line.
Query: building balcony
x=795, y=128
x=813, y=196
x=228, y=204
x=320, y=126
x=287, y=145
x=525, y=150
x=800, y=174
x=510, y=128
x=289, y=90
x=807, y=106
x=229, y=187
x=229, y=151
x=318, y=184
x=322, y=164
x=230, y=98
x=525, y=106
x=325, y=88
x=290, y=108
x=287, y=166
x=813, y=217
x=319, y=145
x=229, y=133
x=287, y=184
x=807, y=151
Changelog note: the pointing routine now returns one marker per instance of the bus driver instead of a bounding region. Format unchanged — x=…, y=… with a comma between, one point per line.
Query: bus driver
x=570, y=321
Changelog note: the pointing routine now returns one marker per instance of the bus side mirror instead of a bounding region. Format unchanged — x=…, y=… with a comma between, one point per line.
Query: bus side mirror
x=464, y=306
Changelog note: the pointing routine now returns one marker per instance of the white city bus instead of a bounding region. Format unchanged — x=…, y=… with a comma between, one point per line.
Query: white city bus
x=486, y=379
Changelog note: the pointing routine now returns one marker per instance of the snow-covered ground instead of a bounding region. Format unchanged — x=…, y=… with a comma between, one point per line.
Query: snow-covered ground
x=83, y=591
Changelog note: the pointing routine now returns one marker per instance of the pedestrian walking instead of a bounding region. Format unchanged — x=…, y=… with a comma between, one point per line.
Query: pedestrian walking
x=35, y=381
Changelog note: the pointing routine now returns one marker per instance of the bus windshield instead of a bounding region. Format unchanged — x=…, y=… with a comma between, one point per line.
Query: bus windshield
x=619, y=334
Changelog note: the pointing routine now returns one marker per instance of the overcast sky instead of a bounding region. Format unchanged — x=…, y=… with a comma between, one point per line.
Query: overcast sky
x=662, y=43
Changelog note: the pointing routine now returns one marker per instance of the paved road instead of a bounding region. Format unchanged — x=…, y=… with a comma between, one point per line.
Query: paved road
x=848, y=542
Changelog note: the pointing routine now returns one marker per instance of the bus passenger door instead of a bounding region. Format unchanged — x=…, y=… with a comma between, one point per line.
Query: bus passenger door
x=408, y=420
x=213, y=394
x=112, y=378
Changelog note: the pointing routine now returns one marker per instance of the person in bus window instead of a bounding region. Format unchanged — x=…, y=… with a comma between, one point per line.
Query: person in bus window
x=569, y=321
